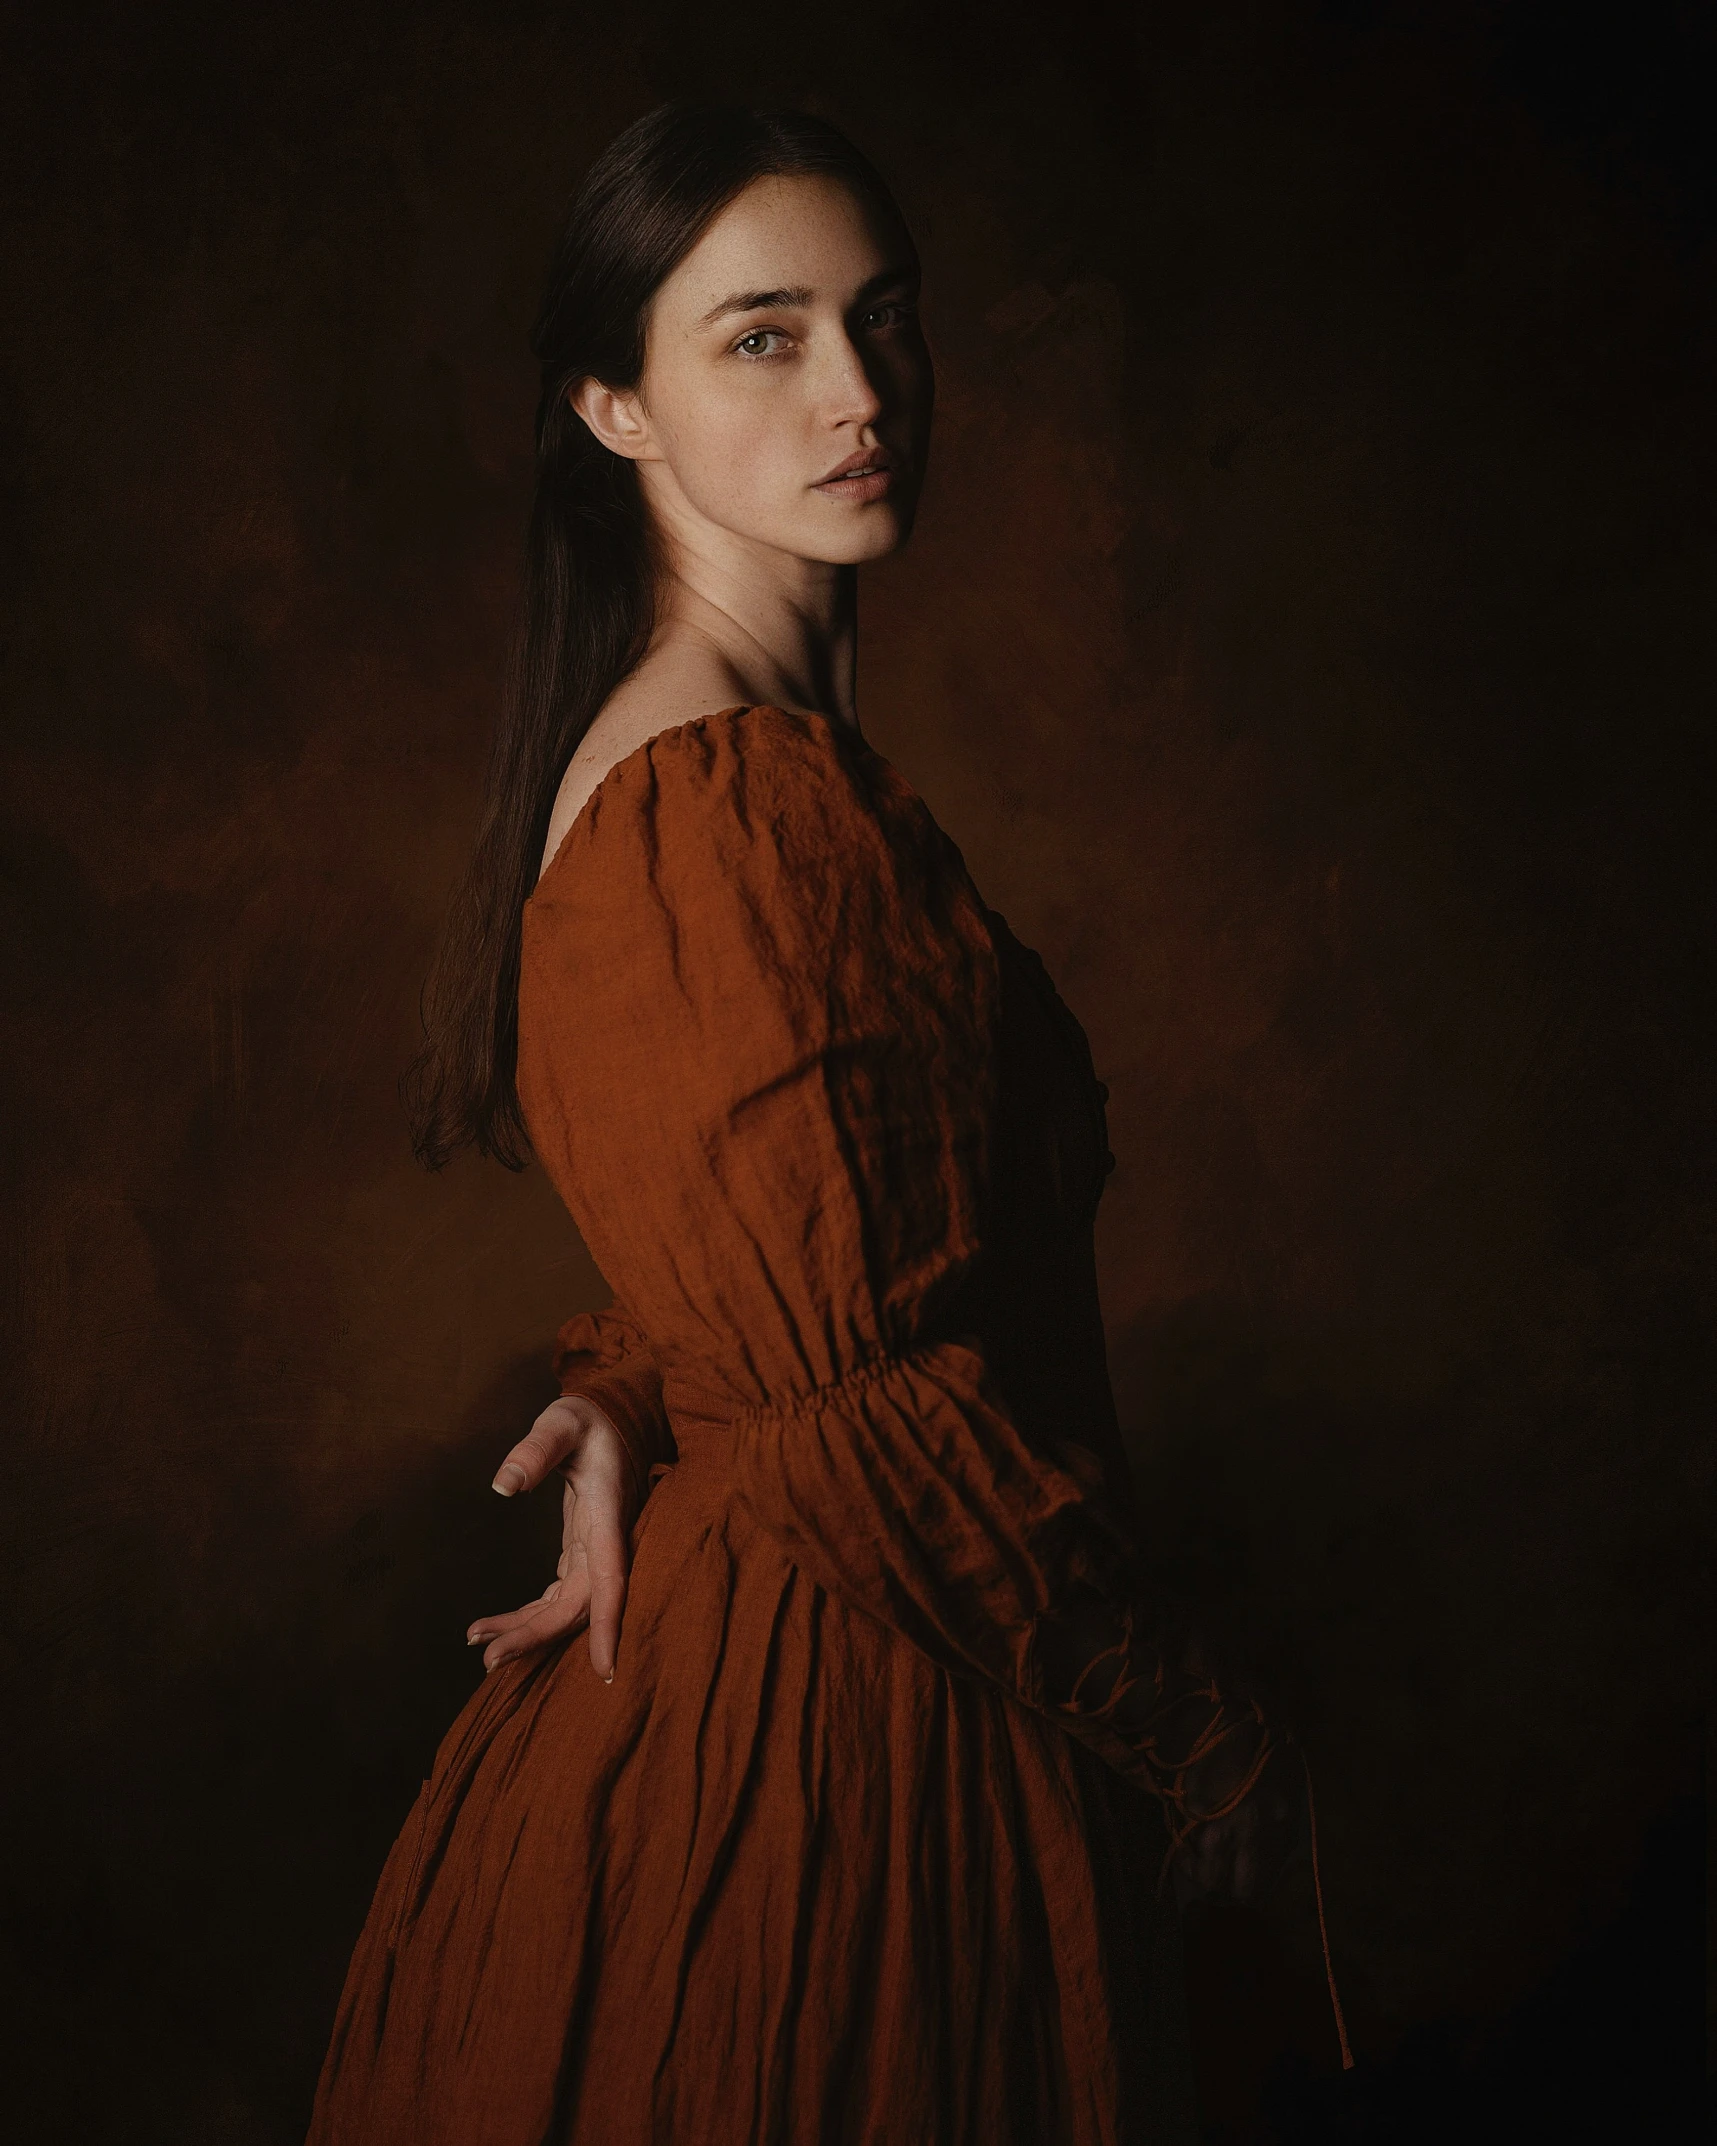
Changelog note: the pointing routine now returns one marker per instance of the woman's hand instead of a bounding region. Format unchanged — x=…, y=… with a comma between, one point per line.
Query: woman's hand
x=574, y=1439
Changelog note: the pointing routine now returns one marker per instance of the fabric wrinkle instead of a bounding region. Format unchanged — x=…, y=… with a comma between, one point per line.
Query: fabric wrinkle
x=821, y=1864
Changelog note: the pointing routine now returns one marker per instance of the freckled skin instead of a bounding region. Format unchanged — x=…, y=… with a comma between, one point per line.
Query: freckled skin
x=741, y=415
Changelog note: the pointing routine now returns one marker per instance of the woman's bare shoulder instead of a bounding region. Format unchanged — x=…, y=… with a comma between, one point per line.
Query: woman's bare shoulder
x=666, y=689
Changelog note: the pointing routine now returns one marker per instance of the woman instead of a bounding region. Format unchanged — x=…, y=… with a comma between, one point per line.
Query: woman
x=843, y=1838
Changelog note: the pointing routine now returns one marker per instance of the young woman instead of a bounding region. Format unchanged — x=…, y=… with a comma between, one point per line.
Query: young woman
x=843, y=1838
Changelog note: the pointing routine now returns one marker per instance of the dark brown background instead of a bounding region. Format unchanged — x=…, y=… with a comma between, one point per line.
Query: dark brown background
x=1308, y=638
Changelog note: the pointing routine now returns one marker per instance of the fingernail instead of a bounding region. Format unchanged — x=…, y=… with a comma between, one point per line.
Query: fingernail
x=510, y=1481
x=609, y=1678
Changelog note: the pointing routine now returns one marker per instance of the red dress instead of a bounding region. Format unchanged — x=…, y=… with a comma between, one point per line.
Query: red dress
x=859, y=1843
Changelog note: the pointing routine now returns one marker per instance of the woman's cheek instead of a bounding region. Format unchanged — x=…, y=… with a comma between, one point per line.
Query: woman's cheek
x=735, y=445
x=751, y=471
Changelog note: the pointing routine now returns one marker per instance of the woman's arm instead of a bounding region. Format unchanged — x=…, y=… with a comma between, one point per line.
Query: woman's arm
x=773, y=1121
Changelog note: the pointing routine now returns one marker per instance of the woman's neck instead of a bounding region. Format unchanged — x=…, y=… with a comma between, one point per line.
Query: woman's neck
x=785, y=628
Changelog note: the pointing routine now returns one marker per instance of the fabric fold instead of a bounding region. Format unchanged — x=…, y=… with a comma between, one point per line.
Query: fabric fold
x=854, y=1847
x=819, y=1113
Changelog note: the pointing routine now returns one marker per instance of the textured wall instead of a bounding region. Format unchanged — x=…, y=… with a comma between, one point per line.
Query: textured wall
x=1302, y=640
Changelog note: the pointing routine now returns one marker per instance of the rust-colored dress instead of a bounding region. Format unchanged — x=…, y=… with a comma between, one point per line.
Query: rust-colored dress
x=858, y=1845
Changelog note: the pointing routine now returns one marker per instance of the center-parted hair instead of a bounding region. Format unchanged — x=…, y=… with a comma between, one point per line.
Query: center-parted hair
x=590, y=567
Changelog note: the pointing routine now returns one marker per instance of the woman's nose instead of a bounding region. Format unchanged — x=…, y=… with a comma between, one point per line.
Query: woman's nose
x=848, y=390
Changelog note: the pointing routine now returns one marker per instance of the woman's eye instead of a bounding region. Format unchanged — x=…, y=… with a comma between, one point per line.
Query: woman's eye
x=757, y=343
x=889, y=316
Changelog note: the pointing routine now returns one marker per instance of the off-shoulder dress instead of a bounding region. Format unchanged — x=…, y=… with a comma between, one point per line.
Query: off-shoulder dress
x=858, y=1846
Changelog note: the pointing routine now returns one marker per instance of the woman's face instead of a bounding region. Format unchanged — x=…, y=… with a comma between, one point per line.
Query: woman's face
x=787, y=388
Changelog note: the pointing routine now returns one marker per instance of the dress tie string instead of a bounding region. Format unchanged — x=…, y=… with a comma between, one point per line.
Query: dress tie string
x=1323, y=1927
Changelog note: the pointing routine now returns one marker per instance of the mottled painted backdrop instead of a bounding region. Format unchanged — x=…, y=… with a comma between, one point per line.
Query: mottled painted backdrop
x=1308, y=639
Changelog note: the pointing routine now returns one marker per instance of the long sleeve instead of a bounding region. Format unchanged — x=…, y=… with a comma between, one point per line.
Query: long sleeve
x=605, y=1356
x=787, y=1003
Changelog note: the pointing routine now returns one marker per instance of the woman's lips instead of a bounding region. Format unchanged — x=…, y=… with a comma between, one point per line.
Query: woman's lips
x=861, y=477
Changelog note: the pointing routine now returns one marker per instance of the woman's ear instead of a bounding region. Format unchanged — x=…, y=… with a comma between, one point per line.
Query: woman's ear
x=616, y=416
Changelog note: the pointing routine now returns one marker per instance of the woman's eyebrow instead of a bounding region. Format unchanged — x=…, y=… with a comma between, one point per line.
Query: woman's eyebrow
x=756, y=301
x=800, y=294
x=887, y=279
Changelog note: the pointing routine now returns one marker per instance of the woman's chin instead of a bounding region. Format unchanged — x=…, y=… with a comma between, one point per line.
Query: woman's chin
x=873, y=534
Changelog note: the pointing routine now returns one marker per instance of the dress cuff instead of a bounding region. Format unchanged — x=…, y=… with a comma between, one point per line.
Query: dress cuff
x=604, y=1357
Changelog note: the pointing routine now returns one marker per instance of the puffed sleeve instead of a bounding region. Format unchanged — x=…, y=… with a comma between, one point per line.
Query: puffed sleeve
x=604, y=1356
x=772, y=1110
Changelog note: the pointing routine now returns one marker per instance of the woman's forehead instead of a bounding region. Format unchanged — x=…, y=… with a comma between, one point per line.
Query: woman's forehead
x=786, y=240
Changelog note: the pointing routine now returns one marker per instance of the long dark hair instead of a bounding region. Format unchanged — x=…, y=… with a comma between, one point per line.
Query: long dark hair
x=590, y=569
